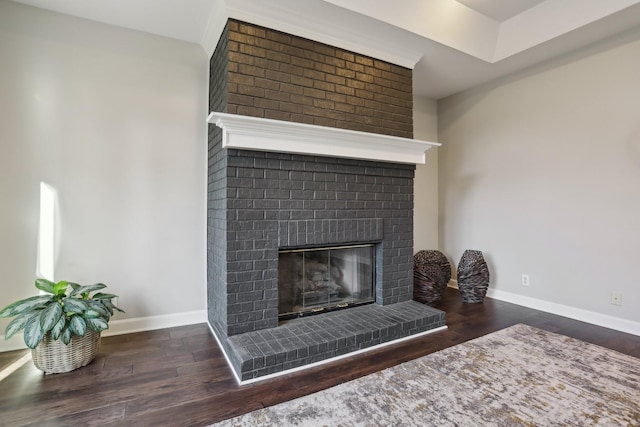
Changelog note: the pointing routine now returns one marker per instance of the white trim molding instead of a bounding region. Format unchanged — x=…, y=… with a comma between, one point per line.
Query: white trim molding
x=213, y=30
x=150, y=323
x=15, y=343
x=256, y=133
x=127, y=326
x=604, y=320
x=290, y=21
x=598, y=319
x=342, y=30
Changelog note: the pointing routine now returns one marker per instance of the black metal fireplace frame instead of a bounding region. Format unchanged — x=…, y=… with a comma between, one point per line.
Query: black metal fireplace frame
x=338, y=305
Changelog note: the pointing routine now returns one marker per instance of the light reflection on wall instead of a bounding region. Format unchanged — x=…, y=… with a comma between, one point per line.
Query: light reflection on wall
x=47, y=232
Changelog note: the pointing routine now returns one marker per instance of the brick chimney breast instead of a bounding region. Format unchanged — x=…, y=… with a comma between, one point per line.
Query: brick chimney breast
x=260, y=201
x=284, y=77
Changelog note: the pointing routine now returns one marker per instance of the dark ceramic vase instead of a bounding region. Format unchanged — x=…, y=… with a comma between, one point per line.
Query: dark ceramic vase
x=473, y=277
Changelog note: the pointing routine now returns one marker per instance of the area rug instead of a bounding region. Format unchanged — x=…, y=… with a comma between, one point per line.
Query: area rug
x=517, y=376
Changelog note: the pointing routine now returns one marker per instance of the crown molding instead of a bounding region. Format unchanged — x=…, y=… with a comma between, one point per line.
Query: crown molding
x=213, y=30
x=280, y=17
x=289, y=22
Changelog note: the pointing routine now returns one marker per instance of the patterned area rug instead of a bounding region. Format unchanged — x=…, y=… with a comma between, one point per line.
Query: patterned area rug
x=517, y=376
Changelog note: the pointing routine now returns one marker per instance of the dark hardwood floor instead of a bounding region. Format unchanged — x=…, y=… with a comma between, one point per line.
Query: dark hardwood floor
x=179, y=377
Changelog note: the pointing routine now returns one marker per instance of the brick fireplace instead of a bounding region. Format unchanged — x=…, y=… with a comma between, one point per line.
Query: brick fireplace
x=262, y=200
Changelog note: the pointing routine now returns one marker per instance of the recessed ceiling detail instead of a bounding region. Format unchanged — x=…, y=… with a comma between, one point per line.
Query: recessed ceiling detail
x=500, y=10
x=455, y=24
x=452, y=45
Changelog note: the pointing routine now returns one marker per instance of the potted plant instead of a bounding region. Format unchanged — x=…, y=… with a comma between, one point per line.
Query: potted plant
x=62, y=327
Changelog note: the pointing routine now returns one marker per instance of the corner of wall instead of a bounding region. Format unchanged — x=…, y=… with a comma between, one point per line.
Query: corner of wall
x=425, y=212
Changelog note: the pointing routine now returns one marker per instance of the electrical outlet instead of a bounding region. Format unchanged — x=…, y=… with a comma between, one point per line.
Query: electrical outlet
x=525, y=280
x=616, y=298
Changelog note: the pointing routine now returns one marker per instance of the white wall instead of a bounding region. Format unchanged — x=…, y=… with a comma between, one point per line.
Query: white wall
x=425, y=213
x=115, y=121
x=541, y=171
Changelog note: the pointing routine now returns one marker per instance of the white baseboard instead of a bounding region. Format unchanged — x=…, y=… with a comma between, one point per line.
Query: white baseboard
x=140, y=324
x=604, y=320
x=15, y=343
x=594, y=318
x=127, y=326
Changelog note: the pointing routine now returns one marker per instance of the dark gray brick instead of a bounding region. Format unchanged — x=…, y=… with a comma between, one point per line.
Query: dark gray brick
x=252, y=195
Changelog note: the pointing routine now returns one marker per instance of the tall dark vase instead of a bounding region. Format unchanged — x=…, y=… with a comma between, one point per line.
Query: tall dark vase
x=473, y=276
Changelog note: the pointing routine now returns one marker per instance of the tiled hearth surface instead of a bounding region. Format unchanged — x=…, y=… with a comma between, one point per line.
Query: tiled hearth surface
x=312, y=339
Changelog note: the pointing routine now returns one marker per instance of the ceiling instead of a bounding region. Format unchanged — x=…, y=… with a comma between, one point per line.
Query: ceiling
x=452, y=45
x=500, y=10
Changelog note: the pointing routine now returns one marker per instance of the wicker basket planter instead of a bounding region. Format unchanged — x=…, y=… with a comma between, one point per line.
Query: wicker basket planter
x=473, y=277
x=54, y=357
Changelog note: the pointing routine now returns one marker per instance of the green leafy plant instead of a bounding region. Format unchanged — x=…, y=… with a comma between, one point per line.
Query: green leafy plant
x=67, y=309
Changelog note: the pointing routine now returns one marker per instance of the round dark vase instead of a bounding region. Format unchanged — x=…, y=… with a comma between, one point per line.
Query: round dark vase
x=473, y=276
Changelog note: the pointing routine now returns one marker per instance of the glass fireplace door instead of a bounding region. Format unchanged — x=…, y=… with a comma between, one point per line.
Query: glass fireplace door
x=320, y=279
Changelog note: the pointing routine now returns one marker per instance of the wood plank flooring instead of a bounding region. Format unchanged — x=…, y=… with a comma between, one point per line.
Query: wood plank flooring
x=179, y=377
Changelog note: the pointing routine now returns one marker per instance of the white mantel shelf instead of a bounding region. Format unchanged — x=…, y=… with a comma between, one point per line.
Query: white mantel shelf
x=255, y=133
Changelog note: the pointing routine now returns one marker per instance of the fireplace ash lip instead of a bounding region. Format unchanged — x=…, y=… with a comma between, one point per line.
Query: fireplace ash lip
x=283, y=319
x=260, y=134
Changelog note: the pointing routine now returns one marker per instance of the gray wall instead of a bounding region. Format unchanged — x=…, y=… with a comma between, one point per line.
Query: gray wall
x=425, y=211
x=115, y=120
x=540, y=171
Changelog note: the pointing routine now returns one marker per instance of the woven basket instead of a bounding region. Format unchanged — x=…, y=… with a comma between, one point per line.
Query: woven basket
x=428, y=284
x=54, y=357
x=473, y=276
x=434, y=257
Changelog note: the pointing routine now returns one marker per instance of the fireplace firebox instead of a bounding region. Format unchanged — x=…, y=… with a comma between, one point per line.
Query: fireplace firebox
x=316, y=280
